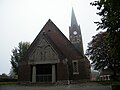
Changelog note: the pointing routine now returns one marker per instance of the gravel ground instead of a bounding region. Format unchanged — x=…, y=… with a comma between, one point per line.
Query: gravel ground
x=83, y=86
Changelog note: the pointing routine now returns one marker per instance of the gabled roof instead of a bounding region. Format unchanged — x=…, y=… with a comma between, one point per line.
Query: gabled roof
x=58, y=40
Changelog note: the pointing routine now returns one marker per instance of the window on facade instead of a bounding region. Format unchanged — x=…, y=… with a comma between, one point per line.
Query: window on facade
x=78, y=40
x=75, y=67
x=75, y=39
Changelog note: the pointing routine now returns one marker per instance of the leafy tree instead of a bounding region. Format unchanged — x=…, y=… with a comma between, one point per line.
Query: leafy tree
x=109, y=11
x=18, y=54
x=11, y=73
x=100, y=53
x=97, y=51
x=4, y=75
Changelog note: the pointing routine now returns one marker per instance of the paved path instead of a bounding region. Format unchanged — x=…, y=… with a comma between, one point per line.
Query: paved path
x=83, y=86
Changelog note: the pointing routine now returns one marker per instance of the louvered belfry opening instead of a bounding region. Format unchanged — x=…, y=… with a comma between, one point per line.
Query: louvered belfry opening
x=44, y=73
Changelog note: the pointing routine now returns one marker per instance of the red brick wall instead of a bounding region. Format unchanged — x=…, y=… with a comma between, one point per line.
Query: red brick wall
x=24, y=72
x=62, y=73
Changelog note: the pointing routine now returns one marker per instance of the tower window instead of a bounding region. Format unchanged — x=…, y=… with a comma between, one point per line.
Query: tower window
x=78, y=40
x=75, y=67
x=49, y=30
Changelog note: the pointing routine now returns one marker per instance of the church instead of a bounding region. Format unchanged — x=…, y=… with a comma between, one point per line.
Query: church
x=52, y=58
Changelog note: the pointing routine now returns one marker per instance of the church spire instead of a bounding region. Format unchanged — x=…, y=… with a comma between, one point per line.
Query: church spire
x=75, y=34
x=73, y=19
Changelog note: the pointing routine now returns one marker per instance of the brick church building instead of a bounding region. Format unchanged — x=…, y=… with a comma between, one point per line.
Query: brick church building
x=53, y=58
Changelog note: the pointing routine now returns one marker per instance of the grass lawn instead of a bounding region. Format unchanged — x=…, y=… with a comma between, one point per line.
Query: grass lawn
x=26, y=84
x=43, y=84
x=8, y=83
x=108, y=82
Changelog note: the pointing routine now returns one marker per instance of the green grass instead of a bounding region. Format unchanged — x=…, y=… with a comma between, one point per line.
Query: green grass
x=43, y=84
x=116, y=83
x=26, y=83
x=108, y=82
x=8, y=83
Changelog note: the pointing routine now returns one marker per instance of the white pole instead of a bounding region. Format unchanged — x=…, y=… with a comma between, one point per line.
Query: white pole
x=53, y=74
x=34, y=74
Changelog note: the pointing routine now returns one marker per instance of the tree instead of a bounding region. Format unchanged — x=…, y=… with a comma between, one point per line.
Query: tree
x=4, y=75
x=109, y=11
x=18, y=55
x=100, y=53
x=11, y=73
x=97, y=51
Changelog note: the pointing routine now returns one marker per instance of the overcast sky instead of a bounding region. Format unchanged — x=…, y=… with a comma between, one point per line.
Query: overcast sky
x=22, y=20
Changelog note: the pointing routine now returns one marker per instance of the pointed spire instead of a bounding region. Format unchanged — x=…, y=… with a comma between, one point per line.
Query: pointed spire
x=75, y=28
x=73, y=19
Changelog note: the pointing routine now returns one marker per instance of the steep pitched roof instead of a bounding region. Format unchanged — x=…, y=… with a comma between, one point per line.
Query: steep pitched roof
x=58, y=40
x=73, y=19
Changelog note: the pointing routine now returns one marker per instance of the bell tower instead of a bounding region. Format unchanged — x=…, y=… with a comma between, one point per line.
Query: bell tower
x=75, y=35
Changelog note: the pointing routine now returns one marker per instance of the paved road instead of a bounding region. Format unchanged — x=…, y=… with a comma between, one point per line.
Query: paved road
x=83, y=86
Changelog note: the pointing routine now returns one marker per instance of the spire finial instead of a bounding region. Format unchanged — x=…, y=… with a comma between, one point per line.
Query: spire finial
x=73, y=18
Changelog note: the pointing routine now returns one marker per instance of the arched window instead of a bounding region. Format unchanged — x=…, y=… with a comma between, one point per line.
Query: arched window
x=75, y=67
